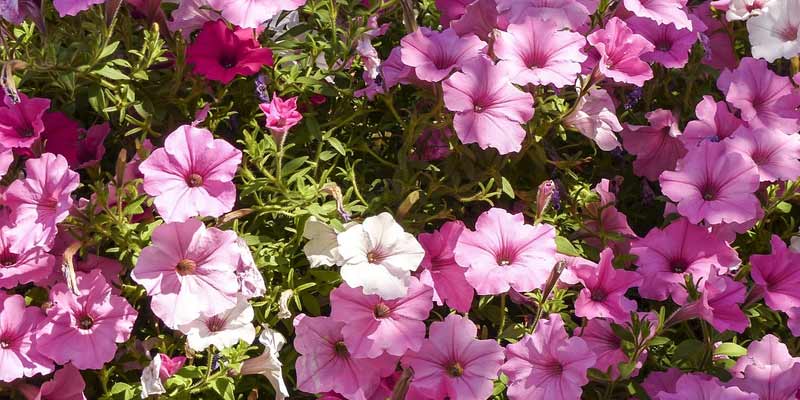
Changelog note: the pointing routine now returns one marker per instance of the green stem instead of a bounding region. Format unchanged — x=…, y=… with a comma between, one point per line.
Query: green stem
x=502, y=317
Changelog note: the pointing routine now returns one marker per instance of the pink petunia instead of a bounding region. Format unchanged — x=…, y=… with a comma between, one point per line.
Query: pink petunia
x=694, y=387
x=433, y=55
x=67, y=384
x=19, y=357
x=189, y=271
x=666, y=255
x=281, y=116
x=192, y=175
x=768, y=370
x=325, y=364
x=605, y=225
x=718, y=304
x=489, y=109
x=480, y=18
x=373, y=326
x=548, y=364
x=620, y=53
x=432, y=145
x=220, y=54
x=777, y=277
x=40, y=201
x=191, y=15
x=440, y=271
x=604, y=287
x=30, y=264
x=21, y=123
x=73, y=7
x=453, y=363
x=777, y=155
x=253, y=13
x=661, y=11
x=595, y=117
x=450, y=10
x=572, y=14
x=671, y=45
x=657, y=147
x=82, y=148
x=504, y=252
x=606, y=346
x=85, y=329
x=539, y=53
x=714, y=122
x=714, y=185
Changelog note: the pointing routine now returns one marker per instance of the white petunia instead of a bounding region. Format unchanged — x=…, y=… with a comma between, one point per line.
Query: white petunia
x=776, y=32
x=740, y=10
x=222, y=330
x=268, y=363
x=151, y=381
x=321, y=248
x=379, y=256
x=595, y=117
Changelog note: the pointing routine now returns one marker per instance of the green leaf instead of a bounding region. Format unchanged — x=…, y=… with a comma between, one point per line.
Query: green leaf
x=111, y=73
x=564, y=246
x=659, y=341
x=223, y=386
x=507, y=189
x=109, y=50
x=337, y=145
x=730, y=349
x=784, y=207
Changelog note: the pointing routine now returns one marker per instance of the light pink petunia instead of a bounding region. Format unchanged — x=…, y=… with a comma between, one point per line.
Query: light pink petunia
x=253, y=13
x=21, y=123
x=661, y=11
x=373, y=326
x=672, y=45
x=572, y=14
x=440, y=271
x=67, y=384
x=489, y=109
x=548, y=364
x=666, y=255
x=606, y=346
x=620, y=53
x=222, y=330
x=764, y=98
x=777, y=155
x=777, y=277
x=220, y=54
x=86, y=328
x=30, y=264
x=714, y=185
x=719, y=303
x=19, y=357
x=453, y=363
x=504, y=252
x=191, y=15
x=768, y=370
x=6, y=158
x=189, y=271
x=694, y=387
x=714, y=123
x=604, y=287
x=73, y=7
x=192, y=175
x=433, y=55
x=281, y=116
x=325, y=364
x=595, y=117
x=537, y=52
x=40, y=201
x=657, y=147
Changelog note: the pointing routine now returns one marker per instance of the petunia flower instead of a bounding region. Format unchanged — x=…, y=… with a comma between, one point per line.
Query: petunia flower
x=605, y=225
x=85, y=328
x=489, y=109
x=620, y=53
x=693, y=387
x=714, y=185
x=189, y=271
x=268, y=363
x=373, y=326
x=539, y=53
x=433, y=55
x=73, y=7
x=595, y=117
x=251, y=281
x=21, y=123
x=718, y=304
x=432, y=145
x=570, y=14
x=440, y=271
x=453, y=363
x=717, y=43
x=30, y=264
x=222, y=330
x=606, y=346
x=450, y=10
x=67, y=384
x=322, y=246
x=19, y=356
x=740, y=10
x=191, y=175
x=379, y=256
x=776, y=276
x=504, y=252
x=281, y=116
x=326, y=364
x=777, y=155
x=661, y=11
x=253, y=13
x=767, y=370
x=775, y=31
x=82, y=148
x=714, y=122
x=220, y=54
x=657, y=147
x=604, y=287
x=666, y=255
x=192, y=14
x=480, y=18
x=548, y=364
x=671, y=45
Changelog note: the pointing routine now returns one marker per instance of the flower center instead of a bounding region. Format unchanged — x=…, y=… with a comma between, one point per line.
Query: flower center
x=227, y=61
x=215, y=324
x=8, y=259
x=375, y=256
x=381, y=310
x=26, y=132
x=185, y=267
x=478, y=108
x=194, y=180
x=788, y=33
x=86, y=322
x=4, y=344
x=599, y=295
x=678, y=266
x=341, y=349
x=455, y=369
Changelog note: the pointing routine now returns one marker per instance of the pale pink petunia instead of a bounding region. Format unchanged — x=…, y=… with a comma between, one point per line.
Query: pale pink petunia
x=714, y=185
x=657, y=147
x=440, y=271
x=453, y=363
x=191, y=175
x=325, y=364
x=537, y=52
x=548, y=364
x=777, y=277
x=253, y=13
x=606, y=346
x=740, y=10
x=604, y=287
x=373, y=326
x=40, y=201
x=775, y=32
x=671, y=45
x=768, y=370
x=489, y=109
x=67, y=384
x=572, y=14
x=777, y=155
x=661, y=11
x=567, y=276
x=6, y=158
x=222, y=330
x=21, y=123
x=666, y=255
x=620, y=53
x=504, y=252
x=719, y=303
x=714, y=122
x=251, y=281
x=191, y=15
x=73, y=7
x=189, y=271
x=85, y=328
x=19, y=356
x=433, y=55
x=29, y=264
x=595, y=117
x=694, y=387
